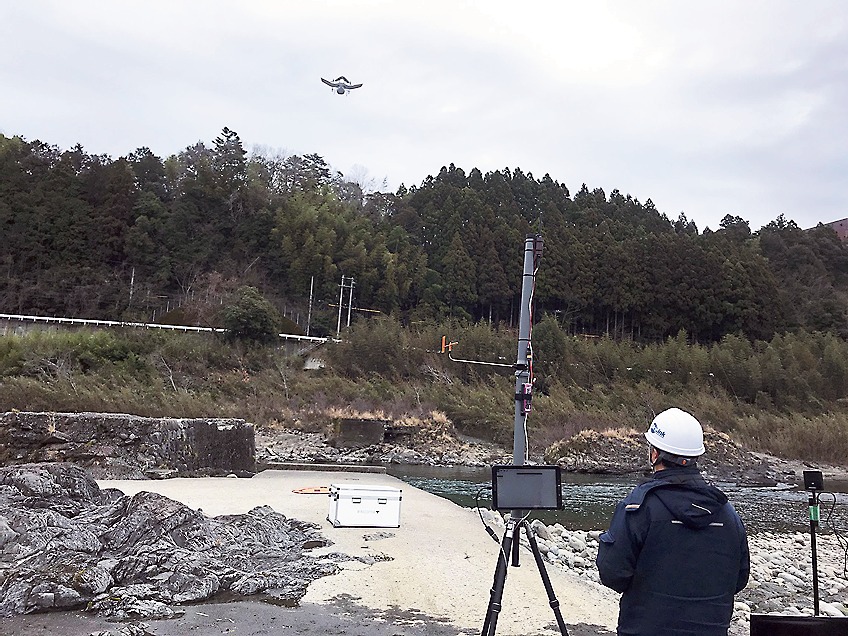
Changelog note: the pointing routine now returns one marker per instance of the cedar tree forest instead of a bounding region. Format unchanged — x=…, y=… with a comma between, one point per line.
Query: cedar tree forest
x=134, y=238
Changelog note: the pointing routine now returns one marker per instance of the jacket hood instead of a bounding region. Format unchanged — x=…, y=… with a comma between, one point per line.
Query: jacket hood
x=690, y=499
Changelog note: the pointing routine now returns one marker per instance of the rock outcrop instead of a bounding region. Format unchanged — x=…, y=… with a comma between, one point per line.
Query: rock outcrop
x=421, y=447
x=625, y=452
x=65, y=543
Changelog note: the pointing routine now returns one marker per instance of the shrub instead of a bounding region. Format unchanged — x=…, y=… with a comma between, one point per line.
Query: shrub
x=251, y=318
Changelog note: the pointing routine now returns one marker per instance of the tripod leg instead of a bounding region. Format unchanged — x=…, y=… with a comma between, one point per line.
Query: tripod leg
x=496, y=595
x=531, y=538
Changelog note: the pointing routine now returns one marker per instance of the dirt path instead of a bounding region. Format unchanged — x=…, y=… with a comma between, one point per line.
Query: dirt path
x=257, y=618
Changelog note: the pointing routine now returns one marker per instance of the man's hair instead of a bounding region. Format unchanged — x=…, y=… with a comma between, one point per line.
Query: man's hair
x=670, y=458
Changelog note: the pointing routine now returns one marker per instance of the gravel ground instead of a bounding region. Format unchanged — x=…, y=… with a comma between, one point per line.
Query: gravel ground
x=256, y=618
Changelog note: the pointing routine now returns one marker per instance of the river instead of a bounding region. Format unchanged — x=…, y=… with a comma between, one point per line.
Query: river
x=589, y=500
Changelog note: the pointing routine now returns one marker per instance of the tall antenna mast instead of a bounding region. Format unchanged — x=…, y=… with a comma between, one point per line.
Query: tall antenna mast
x=523, y=488
x=524, y=361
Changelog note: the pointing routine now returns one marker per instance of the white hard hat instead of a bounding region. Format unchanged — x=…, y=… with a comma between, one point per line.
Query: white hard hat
x=676, y=431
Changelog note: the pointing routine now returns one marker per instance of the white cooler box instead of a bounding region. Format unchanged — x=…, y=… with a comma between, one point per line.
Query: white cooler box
x=360, y=506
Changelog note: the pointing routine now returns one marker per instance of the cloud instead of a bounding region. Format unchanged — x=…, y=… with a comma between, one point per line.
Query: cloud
x=707, y=108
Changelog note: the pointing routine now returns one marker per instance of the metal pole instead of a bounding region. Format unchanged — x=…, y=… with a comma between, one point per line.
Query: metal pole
x=341, y=292
x=532, y=245
x=814, y=520
x=350, y=301
x=523, y=394
x=309, y=313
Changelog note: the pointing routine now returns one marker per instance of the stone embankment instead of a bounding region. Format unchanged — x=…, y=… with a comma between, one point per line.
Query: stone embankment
x=781, y=579
x=122, y=446
x=65, y=543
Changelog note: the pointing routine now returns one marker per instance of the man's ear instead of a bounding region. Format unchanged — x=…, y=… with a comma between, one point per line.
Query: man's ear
x=655, y=456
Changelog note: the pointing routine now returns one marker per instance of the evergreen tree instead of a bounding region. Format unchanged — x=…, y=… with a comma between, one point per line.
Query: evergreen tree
x=458, y=278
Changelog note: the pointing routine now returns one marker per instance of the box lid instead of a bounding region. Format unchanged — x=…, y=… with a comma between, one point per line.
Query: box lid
x=370, y=488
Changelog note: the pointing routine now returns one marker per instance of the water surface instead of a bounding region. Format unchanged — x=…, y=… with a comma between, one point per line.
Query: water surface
x=589, y=500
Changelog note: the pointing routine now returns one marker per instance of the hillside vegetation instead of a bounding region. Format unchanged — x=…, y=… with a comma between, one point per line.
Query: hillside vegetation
x=89, y=236
x=633, y=311
x=784, y=397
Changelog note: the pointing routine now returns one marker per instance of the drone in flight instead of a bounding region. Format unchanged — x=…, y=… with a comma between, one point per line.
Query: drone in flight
x=341, y=85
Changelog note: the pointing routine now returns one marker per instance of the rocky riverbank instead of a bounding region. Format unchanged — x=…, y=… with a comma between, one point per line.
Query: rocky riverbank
x=115, y=446
x=781, y=569
x=607, y=452
x=431, y=576
x=417, y=448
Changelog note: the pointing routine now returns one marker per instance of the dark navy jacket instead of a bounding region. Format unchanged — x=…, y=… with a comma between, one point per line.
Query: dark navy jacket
x=678, y=552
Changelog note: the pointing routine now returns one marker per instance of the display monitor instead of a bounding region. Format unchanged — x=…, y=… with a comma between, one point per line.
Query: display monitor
x=526, y=487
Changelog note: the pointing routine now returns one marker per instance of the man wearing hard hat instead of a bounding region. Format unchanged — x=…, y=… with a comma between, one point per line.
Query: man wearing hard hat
x=676, y=549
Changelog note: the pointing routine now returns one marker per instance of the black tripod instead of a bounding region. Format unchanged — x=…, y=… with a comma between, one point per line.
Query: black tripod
x=511, y=544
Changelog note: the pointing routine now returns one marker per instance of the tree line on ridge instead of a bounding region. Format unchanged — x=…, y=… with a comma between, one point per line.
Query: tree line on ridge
x=130, y=238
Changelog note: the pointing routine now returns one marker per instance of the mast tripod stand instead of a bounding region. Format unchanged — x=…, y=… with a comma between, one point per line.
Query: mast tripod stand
x=523, y=391
x=510, y=545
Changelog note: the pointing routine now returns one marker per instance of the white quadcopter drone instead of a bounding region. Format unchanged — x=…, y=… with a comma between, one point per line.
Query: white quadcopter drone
x=341, y=85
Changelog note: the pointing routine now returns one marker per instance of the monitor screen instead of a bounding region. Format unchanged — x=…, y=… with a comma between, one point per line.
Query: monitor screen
x=526, y=487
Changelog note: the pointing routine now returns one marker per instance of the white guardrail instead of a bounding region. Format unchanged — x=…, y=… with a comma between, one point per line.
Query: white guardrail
x=139, y=325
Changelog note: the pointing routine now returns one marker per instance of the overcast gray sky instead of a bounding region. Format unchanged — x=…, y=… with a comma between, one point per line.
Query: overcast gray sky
x=706, y=107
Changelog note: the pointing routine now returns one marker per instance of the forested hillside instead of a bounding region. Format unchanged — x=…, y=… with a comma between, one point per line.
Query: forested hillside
x=747, y=329
x=134, y=237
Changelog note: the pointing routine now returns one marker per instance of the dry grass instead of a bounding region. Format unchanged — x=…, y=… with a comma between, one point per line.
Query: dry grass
x=180, y=375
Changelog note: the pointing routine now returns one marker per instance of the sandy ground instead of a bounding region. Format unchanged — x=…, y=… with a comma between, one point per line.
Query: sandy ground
x=437, y=580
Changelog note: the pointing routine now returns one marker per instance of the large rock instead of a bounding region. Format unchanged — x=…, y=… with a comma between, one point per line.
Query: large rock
x=626, y=452
x=112, y=445
x=65, y=543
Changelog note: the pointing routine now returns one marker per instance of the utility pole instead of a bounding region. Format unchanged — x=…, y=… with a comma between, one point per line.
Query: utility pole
x=342, y=286
x=350, y=300
x=132, y=285
x=350, y=283
x=341, y=296
x=309, y=314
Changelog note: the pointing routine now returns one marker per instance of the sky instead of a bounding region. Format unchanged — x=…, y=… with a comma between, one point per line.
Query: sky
x=707, y=108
